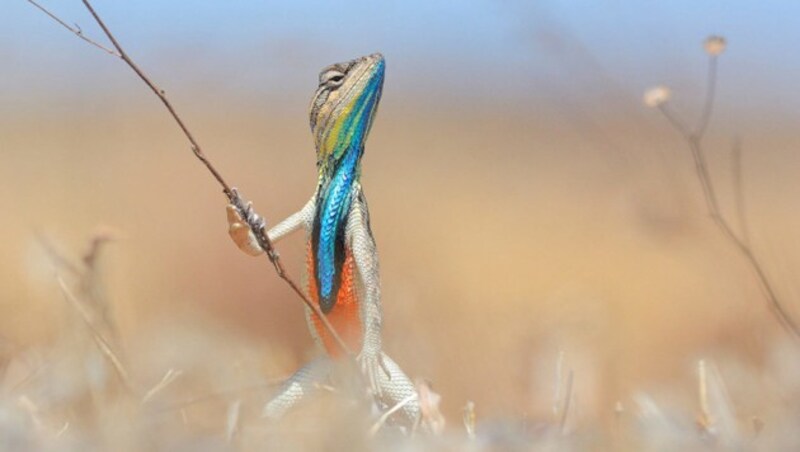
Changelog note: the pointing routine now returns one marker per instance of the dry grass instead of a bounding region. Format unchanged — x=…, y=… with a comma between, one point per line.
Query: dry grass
x=570, y=367
x=557, y=296
x=188, y=385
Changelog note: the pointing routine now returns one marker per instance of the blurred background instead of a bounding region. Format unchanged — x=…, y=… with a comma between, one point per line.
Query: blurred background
x=525, y=203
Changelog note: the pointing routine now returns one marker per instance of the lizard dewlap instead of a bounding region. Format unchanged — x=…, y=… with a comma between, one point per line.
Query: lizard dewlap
x=341, y=115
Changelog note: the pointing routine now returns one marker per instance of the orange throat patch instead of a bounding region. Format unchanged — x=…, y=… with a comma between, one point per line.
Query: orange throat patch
x=345, y=316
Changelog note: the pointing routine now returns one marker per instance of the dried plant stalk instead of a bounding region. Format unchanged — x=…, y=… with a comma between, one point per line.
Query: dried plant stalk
x=714, y=46
x=230, y=193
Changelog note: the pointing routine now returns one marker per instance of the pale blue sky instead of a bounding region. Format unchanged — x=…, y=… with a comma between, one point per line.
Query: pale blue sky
x=494, y=51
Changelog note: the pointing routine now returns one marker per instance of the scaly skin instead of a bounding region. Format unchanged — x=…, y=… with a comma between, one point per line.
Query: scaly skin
x=342, y=262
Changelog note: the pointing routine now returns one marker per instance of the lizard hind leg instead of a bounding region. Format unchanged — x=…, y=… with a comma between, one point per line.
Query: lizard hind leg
x=301, y=384
x=397, y=388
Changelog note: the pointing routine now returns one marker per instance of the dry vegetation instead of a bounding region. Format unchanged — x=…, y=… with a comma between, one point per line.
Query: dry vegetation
x=195, y=386
x=626, y=322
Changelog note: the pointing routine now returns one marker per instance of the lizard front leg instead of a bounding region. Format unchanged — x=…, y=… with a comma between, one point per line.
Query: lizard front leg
x=242, y=219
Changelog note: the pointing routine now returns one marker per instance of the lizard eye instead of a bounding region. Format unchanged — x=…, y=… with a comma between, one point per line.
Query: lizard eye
x=331, y=77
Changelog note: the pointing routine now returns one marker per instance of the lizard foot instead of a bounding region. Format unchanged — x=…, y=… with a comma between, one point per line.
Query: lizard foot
x=241, y=220
x=372, y=365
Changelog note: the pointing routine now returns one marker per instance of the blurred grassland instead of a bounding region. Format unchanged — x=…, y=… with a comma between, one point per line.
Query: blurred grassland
x=504, y=237
x=509, y=231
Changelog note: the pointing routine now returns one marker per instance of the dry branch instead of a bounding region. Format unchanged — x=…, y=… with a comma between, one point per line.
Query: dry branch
x=76, y=29
x=738, y=191
x=101, y=341
x=714, y=47
x=230, y=193
x=388, y=413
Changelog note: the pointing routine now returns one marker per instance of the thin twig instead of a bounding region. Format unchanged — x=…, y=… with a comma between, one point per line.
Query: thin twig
x=697, y=155
x=738, y=191
x=559, y=380
x=101, y=342
x=62, y=430
x=712, y=203
x=708, y=107
x=386, y=415
x=567, y=402
x=166, y=380
x=99, y=238
x=706, y=419
x=673, y=119
x=196, y=149
x=469, y=418
x=35, y=373
x=261, y=234
x=58, y=259
x=221, y=394
x=257, y=225
x=233, y=420
x=76, y=30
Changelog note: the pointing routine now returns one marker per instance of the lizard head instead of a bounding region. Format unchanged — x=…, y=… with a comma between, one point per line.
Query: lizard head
x=343, y=107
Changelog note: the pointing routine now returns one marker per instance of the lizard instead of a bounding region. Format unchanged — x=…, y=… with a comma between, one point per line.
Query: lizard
x=342, y=270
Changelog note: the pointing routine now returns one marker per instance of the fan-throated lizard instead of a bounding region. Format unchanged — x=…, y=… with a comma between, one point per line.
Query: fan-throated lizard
x=342, y=262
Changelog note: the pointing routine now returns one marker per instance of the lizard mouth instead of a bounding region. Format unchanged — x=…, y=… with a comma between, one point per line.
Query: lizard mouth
x=361, y=70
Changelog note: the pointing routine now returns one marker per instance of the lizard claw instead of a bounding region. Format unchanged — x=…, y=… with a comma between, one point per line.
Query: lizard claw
x=371, y=367
x=235, y=194
x=240, y=220
x=236, y=199
x=384, y=367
